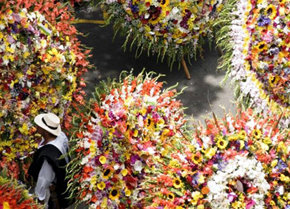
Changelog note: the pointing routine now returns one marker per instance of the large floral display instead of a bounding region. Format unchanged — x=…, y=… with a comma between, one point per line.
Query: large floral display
x=255, y=38
x=234, y=162
x=40, y=64
x=14, y=196
x=120, y=138
x=172, y=28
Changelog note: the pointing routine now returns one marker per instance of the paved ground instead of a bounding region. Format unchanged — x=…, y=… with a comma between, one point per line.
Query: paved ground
x=203, y=94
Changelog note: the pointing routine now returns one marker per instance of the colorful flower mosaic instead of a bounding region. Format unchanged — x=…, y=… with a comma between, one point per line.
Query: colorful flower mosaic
x=14, y=196
x=172, y=28
x=257, y=34
x=40, y=65
x=235, y=162
x=121, y=139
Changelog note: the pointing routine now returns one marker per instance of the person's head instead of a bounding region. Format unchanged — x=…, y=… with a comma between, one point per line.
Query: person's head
x=48, y=124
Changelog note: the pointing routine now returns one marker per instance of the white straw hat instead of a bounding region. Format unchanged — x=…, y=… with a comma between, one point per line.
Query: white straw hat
x=49, y=122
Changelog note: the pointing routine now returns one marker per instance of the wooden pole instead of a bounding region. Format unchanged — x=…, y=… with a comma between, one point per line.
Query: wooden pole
x=185, y=69
x=99, y=22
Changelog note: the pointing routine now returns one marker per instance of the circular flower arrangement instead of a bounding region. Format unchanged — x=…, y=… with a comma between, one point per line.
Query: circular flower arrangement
x=14, y=196
x=121, y=139
x=40, y=65
x=257, y=32
x=172, y=28
x=236, y=162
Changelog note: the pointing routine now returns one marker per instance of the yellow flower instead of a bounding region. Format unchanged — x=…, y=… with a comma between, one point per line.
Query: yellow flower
x=6, y=205
x=242, y=134
x=221, y=143
x=102, y=159
x=170, y=196
x=267, y=140
x=261, y=46
x=114, y=194
x=24, y=129
x=274, y=163
x=256, y=133
x=107, y=173
x=177, y=183
x=233, y=137
x=101, y=185
x=196, y=158
x=196, y=195
x=104, y=203
x=94, y=180
x=271, y=11
x=128, y=192
x=273, y=80
x=210, y=153
x=200, y=207
x=124, y=172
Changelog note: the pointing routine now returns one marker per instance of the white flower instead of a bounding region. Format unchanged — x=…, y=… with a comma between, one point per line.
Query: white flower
x=138, y=166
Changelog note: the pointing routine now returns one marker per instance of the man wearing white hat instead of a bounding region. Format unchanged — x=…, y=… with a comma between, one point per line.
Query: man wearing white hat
x=48, y=168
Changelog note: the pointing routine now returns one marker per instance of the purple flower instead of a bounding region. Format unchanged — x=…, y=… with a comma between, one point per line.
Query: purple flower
x=263, y=21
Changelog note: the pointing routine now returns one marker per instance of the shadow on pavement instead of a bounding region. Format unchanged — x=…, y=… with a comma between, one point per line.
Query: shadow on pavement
x=203, y=94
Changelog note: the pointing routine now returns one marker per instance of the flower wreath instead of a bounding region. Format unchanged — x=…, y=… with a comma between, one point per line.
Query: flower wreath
x=239, y=167
x=40, y=65
x=125, y=132
x=172, y=28
x=247, y=151
x=257, y=34
x=13, y=195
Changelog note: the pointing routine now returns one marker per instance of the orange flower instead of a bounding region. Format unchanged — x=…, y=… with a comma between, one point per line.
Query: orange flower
x=205, y=190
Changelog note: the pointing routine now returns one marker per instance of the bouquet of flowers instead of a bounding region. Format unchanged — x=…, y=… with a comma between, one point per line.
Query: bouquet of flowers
x=235, y=162
x=40, y=64
x=255, y=38
x=173, y=28
x=121, y=137
x=13, y=195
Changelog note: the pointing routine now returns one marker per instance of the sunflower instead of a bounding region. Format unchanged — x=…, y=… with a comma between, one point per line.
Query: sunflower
x=101, y=185
x=261, y=46
x=273, y=80
x=271, y=11
x=107, y=173
x=114, y=194
x=164, y=3
x=170, y=196
x=256, y=133
x=242, y=135
x=196, y=158
x=221, y=143
x=177, y=183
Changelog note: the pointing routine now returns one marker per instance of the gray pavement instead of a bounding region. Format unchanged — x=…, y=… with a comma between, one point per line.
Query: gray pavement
x=203, y=94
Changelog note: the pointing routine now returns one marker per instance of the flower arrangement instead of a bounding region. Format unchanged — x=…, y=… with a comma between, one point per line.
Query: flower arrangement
x=13, y=196
x=172, y=28
x=235, y=162
x=121, y=137
x=40, y=67
x=255, y=38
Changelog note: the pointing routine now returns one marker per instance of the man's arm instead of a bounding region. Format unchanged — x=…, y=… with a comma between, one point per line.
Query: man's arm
x=45, y=178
